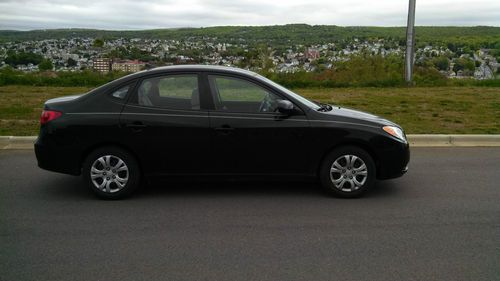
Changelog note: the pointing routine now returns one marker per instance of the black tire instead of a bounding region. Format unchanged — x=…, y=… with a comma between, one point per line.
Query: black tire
x=353, y=186
x=114, y=191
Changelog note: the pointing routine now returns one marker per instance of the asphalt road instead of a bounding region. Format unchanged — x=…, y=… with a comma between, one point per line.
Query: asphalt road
x=441, y=221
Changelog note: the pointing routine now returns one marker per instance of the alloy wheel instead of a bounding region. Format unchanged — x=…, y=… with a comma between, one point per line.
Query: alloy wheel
x=348, y=173
x=109, y=173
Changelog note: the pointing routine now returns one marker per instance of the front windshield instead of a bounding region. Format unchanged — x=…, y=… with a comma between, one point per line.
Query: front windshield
x=300, y=98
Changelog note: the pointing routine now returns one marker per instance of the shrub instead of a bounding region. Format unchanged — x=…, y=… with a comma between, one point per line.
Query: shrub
x=85, y=78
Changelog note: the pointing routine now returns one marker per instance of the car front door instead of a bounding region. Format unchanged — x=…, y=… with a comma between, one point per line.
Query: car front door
x=249, y=136
x=166, y=124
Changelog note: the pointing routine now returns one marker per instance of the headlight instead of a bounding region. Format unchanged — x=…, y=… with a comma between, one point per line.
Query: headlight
x=395, y=132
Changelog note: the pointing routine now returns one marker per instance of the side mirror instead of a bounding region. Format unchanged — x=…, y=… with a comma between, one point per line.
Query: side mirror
x=285, y=106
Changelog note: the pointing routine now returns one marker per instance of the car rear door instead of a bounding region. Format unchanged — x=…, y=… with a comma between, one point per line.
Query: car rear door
x=248, y=136
x=166, y=123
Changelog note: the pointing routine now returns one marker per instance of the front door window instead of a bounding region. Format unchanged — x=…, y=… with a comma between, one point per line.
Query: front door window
x=238, y=95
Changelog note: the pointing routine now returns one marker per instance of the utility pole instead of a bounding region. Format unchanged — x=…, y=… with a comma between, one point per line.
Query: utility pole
x=410, y=43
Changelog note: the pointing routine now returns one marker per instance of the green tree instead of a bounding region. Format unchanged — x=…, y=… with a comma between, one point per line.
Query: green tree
x=14, y=58
x=45, y=65
x=72, y=62
x=464, y=64
x=441, y=63
x=452, y=47
x=99, y=43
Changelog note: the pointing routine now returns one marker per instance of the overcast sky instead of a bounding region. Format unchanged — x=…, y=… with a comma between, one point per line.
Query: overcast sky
x=138, y=14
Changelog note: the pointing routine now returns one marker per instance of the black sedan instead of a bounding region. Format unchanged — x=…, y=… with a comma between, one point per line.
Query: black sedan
x=207, y=121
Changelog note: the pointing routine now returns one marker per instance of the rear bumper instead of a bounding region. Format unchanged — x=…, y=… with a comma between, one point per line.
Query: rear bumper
x=57, y=159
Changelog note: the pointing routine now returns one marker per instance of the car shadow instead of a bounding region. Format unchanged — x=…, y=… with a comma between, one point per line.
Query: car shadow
x=64, y=187
x=70, y=187
x=253, y=189
x=230, y=189
x=386, y=188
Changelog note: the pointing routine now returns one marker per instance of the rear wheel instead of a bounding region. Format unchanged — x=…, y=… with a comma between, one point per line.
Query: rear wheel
x=348, y=172
x=111, y=173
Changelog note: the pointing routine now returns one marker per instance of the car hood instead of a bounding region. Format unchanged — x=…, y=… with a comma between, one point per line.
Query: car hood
x=63, y=99
x=342, y=112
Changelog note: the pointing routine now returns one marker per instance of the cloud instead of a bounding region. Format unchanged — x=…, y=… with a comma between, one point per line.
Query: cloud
x=134, y=14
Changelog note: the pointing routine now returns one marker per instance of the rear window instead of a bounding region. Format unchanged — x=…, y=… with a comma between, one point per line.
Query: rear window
x=121, y=93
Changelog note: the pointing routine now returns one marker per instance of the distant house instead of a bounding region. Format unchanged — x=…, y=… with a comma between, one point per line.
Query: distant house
x=494, y=65
x=128, y=66
x=312, y=53
x=102, y=65
x=483, y=72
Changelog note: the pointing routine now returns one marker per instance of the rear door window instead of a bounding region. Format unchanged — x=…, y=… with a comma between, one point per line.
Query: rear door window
x=170, y=91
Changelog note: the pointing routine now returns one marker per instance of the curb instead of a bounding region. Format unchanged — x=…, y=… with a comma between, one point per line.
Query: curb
x=453, y=140
x=15, y=142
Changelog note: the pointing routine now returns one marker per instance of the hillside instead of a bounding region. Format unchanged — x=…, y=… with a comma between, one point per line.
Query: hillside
x=482, y=36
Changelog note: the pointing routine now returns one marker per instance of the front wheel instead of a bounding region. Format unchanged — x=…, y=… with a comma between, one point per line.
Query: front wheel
x=347, y=172
x=111, y=173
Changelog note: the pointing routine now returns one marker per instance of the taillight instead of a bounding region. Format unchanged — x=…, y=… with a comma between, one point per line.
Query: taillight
x=49, y=115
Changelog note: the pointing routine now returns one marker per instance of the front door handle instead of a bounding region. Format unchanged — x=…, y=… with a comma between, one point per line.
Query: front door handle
x=224, y=130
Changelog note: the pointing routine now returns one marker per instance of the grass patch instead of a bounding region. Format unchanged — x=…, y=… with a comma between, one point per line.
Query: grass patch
x=21, y=106
x=443, y=110
x=434, y=110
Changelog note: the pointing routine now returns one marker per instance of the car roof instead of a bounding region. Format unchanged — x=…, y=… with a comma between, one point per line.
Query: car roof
x=196, y=67
x=179, y=68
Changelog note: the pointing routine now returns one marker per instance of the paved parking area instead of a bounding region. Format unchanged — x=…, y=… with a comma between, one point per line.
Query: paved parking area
x=441, y=221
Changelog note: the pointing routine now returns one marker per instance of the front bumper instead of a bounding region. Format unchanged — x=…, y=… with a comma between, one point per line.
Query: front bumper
x=393, y=160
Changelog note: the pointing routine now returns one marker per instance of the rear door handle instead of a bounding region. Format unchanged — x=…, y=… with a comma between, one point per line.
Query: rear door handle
x=136, y=126
x=224, y=129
